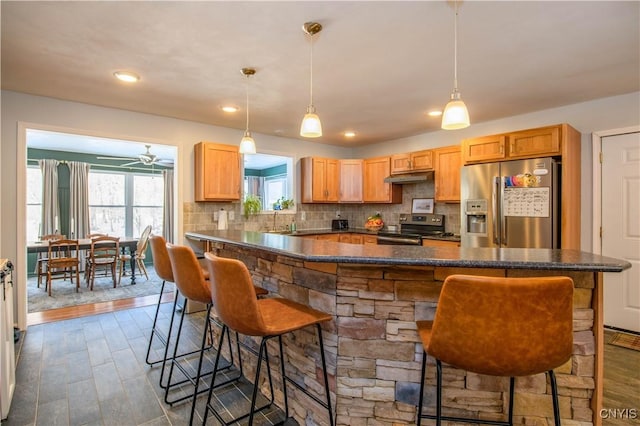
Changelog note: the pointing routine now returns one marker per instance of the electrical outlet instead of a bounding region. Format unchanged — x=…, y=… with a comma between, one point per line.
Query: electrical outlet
x=338, y=213
x=303, y=215
x=215, y=215
x=231, y=215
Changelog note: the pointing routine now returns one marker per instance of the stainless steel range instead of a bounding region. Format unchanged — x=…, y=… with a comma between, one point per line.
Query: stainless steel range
x=413, y=228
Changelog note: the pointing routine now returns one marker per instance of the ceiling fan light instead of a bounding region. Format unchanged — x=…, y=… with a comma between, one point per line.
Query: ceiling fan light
x=311, y=126
x=247, y=144
x=455, y=115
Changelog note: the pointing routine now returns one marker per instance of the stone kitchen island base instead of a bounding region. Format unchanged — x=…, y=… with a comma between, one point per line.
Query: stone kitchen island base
x=377, y=293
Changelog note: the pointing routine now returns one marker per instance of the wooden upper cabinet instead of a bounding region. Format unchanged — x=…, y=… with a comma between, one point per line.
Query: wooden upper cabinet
x=532, y=143
x=350, y=181
x=217, y=172
x=412, y=162
x=320, y=180
x=375, y=190
x=486, y=148
x=448, y=161
x=540, y=142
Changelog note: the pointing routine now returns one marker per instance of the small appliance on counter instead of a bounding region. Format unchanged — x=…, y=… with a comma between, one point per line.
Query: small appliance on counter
x=339, y=224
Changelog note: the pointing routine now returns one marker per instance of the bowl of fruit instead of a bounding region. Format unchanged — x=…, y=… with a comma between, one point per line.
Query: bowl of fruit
x=374, y=223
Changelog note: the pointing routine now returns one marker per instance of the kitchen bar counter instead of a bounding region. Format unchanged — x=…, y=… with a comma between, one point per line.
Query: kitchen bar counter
x=376, y=293
x=323, y=251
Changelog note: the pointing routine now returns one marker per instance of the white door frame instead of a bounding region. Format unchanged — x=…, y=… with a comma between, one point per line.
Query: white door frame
x=596, y=144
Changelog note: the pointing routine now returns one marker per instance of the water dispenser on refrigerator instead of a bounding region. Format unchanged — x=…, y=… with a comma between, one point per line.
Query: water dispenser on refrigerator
x=476, y=217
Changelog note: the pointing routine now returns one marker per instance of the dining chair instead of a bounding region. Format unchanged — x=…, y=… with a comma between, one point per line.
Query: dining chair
x=140, y=255
x=62, y=259
x=103, y=254
x=41, y=261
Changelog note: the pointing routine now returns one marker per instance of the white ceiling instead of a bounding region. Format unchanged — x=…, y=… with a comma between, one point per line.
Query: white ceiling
x=378, y=66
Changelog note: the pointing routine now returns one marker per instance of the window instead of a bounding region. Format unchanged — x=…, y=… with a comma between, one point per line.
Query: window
x=34, y=203
x=269, y=177
x=107, y=205
x=123, y=204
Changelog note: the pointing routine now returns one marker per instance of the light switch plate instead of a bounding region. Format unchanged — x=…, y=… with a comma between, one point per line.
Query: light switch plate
x=303, y=216
x=215, y=215
x=231, y=214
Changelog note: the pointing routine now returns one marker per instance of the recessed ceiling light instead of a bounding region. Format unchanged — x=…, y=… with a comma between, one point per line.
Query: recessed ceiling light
x=127, y=76
x=436, y=113
x=349, y=134
x=229, y=108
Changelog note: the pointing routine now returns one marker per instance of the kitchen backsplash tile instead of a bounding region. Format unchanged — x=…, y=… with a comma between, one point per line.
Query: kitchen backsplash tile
x=200, y=216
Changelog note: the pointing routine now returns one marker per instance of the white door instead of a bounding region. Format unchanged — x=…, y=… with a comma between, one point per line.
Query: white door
x=621, y=228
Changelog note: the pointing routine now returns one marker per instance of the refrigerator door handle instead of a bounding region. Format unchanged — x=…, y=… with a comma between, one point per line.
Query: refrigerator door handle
x=503, y=219
x=494, y=208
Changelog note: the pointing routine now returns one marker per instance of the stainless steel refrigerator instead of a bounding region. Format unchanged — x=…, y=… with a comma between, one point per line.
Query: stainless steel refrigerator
x=513, y=204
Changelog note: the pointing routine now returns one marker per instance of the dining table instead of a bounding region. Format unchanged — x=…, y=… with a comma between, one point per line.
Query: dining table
x=126, y=243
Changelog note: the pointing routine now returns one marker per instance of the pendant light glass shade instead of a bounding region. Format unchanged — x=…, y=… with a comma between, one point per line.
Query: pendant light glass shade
x=311, y=126
x=247, y=144
x=455, y=115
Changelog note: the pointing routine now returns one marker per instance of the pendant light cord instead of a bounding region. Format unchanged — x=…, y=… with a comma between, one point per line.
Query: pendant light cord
x=311, y=71
x=247, y=129
x=455, y=48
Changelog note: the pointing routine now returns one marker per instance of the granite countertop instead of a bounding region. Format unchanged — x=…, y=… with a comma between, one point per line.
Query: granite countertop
x=326, y=251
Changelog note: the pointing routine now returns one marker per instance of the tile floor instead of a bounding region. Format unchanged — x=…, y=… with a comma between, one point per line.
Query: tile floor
x=92, y=371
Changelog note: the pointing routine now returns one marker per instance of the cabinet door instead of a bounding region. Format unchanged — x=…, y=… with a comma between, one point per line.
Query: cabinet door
x=375, y=188
x=345, y=238
x=369, y=240
x=535, y=143
x=447, y=174
x=332, y=182
x=357, y=238
x=486, y=148
x=422, y=160
x=400, y=163
x=320, y=179
x=217, y=172
x=329, y=237
x=350, y=181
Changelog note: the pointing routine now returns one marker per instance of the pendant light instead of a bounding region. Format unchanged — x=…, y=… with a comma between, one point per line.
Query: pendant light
x=455, y=115
x=311, y=126
x=247, y=144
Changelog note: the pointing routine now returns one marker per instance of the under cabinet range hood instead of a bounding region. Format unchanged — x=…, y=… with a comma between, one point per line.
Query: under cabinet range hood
x=410, y=178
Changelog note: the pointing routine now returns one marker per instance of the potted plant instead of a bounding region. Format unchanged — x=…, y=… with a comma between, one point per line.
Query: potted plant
x=283, y=204
x=251, y=205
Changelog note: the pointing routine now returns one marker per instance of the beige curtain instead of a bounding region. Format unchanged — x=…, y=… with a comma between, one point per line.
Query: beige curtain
x=79, y=199
x=50, y=207
x=168, y=219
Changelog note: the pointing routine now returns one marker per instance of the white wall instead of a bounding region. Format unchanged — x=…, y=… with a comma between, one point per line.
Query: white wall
x=587, y=117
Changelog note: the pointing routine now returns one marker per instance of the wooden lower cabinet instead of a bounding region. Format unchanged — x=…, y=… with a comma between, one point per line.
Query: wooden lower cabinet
x=369, y=240
x=328, y=237
x=440, y=243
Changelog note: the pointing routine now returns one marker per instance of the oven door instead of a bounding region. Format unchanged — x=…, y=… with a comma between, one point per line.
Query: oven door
x=398, y=240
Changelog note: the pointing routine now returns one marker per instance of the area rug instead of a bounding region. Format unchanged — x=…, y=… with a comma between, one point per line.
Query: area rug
x=625, y=340
x=64, y=292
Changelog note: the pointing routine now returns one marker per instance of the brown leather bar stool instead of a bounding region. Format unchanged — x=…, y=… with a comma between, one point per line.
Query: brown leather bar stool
x=162, y=265
x=190, y=281
x=239, y=310
x=507, y=327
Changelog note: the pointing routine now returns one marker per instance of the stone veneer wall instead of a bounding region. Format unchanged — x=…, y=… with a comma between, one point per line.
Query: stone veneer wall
x=374, y=353
x=200, y=216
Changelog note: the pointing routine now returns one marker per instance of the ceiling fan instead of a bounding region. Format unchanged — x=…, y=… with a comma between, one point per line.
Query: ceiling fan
x=146, y=158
